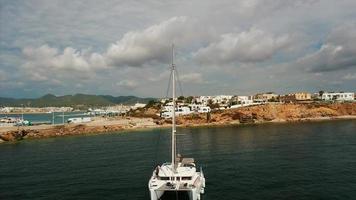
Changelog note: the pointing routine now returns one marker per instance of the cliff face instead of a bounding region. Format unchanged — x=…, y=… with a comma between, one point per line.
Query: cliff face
x=274, y=112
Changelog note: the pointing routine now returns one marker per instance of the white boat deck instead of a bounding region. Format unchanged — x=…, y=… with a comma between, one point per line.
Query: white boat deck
x=185, y=178
x=181, y=186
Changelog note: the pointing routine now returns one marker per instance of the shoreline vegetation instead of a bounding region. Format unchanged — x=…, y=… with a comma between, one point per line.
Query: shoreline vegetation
x=146, y=119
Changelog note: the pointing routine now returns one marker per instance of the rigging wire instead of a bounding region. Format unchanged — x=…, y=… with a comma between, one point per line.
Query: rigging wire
x=159, y=134
x=167, y=94
x=179, y=83
x=169, y=83
x=179, y=145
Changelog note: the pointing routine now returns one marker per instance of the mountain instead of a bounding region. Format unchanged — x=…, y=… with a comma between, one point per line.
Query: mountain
x=76, y=100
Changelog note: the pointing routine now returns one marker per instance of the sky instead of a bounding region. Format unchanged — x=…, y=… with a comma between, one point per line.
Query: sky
x=238, y=47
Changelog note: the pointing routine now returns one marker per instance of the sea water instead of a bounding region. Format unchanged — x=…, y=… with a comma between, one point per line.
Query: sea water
x=310, y=160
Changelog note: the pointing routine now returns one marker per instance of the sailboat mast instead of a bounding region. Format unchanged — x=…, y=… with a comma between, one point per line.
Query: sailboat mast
x=173, y=112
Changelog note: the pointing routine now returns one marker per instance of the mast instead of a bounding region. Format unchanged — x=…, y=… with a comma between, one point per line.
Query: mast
x=173, y=114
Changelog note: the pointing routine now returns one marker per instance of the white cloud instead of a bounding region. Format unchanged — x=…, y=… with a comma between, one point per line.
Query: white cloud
x=337, y=53
x=137, y=48
x=35, y=76
x=45, y=57
x=127, y=84
x=350, y=76
x=159, y=76
x=44, y=63
x=262, y=8
x=192, y=78
x=78, y=85
x=150, y=46
x=254, y=45
x=3, y=76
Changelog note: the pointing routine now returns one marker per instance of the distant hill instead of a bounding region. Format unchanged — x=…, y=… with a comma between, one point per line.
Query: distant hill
x=76, y=100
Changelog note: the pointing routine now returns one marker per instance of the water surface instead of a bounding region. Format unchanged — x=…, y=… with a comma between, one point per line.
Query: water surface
x=315, y=160
x=56, y=117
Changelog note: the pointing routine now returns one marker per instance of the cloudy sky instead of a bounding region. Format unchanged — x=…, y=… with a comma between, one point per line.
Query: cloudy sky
x=222, y=47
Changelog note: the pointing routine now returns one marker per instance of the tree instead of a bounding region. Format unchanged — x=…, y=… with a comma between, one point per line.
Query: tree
x=212, y=105
x=150, y=104
x=210, y=102
x=181, y=98
x=189, y=99
x=321, y=92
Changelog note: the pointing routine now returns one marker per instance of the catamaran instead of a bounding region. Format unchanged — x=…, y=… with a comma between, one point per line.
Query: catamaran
x=178, y=178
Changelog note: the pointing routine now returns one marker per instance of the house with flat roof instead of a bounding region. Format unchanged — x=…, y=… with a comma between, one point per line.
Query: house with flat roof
x=294, y=97
x=338, y=96
x=264, y=97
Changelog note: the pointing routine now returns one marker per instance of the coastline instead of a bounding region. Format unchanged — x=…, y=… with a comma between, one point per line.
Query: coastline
x=36, y=113
x=302, y=120
x=11, y=134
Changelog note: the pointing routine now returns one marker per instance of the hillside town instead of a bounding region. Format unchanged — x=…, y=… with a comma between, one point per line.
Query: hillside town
x=199, y=104
x=205, y=104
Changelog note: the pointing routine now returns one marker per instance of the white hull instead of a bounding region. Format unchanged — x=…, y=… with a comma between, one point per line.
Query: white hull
x=185, y=179
x=155, y=194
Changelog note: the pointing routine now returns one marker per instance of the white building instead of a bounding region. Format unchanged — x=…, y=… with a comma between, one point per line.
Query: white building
x=265, y=97
x=245, y=100
x=95, y=112
x=117, y=109
x=138, y=105
x=77, y=120
x=204, y=109
x=338, y=96
x=199, y=108
x=164, y=100
x=202, y=99
x=167, y=111
x=222, y=99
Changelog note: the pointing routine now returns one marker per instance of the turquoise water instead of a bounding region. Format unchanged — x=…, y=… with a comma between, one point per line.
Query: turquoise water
x=46, y=117
x=315, y=160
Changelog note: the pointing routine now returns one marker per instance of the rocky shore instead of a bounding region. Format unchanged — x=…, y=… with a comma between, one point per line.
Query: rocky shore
x=254, y=114
x=275, y=113
x=98, y=126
